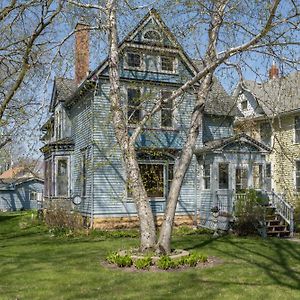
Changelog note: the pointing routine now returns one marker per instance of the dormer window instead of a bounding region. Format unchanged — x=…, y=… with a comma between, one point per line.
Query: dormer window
x=244, y=104
x=134, y=60
x=152, y=36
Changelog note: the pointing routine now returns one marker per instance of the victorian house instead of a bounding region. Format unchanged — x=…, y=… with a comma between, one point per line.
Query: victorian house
x=83, y=161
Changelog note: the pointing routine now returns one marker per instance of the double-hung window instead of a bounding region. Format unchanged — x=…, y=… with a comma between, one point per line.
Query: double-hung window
x=62, y=180
x=297, y=129
x=166, y=110
x=134, y=109
x=241, y=179
x=265, y=133
x=206, y=176
x=223, y=176
x=257, y=174
x=297, y=179
x=134, y=60
x=167, y=64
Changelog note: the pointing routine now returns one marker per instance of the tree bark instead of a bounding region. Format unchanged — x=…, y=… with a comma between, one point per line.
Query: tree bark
x=147, y=225
x=164, y=241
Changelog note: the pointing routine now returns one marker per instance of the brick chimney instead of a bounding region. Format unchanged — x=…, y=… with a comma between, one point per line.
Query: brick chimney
x=273, y=72
x=82, y=52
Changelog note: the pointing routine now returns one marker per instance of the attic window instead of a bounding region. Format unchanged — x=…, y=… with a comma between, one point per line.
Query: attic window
x=244, y=104
x=167, y=64
x=133, y=60
x=152, y=35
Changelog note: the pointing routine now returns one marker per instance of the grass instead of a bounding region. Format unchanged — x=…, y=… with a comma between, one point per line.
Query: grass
x=36, y=265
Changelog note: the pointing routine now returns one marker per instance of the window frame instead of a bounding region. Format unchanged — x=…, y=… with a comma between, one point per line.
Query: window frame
x=175, y=64
x=243, y=179
x=261, y=126
x=206, y=177
x=166, y=179
x=166, y=109
x=260, y=176
x=242, y=104
x=57, y=158
x=227, y=164
x=142, y=61
x=297, y=190
x=140, y=110
x=296, y=131
x=151, y=40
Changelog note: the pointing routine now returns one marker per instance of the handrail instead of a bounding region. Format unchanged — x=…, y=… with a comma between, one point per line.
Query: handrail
x=284, y=209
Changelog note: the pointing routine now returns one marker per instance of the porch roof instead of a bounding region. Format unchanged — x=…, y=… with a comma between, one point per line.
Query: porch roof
x=242, y=138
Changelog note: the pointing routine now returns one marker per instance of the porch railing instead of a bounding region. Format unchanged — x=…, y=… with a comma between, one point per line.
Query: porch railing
x=283, y=208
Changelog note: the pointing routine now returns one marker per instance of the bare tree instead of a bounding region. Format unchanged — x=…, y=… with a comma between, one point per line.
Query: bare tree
x=230, y=34
x=23, y=25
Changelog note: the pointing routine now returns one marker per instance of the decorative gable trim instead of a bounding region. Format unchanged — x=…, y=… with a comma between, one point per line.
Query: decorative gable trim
x=219, y=145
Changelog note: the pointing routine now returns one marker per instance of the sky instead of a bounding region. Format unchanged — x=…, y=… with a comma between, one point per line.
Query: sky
x=190, y=31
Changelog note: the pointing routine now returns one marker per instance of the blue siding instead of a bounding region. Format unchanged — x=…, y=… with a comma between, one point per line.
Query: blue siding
x=217, y=127
x=18, y=196
x=81, y=119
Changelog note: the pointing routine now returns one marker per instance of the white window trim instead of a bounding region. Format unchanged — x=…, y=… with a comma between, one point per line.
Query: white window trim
x=210, y=176
x=142, y=66
x=142, y=112
x=175, y=65
x=294, y=128
x=218, y=176
x=57, y=158
x=150, y=40
x=295, y=177
x=174, y=111
x=165, y=165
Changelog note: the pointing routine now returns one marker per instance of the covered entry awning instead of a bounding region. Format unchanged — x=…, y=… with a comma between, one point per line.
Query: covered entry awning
x=228, y=166
x=237, y=143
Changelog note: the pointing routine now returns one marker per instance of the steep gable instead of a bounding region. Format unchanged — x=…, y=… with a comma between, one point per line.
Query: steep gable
x=165, y=45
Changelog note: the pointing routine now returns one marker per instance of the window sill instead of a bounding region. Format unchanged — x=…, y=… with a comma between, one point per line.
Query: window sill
x=135, y=68
x=131, y=126
x=152, y=199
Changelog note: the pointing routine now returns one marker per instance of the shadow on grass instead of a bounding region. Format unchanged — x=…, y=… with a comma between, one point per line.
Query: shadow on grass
x=277, y=262
x=4, y=218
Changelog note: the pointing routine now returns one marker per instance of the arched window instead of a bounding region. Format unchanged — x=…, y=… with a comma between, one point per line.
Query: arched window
x=152, y=35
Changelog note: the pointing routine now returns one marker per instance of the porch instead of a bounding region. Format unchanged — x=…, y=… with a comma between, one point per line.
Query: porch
x=278, y=213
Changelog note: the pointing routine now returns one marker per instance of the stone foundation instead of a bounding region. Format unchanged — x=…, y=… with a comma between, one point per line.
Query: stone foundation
x=105, y=223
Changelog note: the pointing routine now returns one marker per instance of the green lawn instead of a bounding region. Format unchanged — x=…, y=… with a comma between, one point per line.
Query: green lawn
x=34, y=265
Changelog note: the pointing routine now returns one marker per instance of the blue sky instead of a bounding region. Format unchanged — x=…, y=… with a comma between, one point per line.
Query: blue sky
x=192, y=38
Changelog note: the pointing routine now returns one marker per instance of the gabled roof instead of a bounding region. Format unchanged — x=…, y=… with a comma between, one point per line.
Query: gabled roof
x=242, y=139
x=152, y=14
x=63, y=88
x=17, y=175
x=277, y=96
x=218, y=102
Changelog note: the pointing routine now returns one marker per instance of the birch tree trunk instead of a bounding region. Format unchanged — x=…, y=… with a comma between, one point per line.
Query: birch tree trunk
x=164, y=242
x=147, y=225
